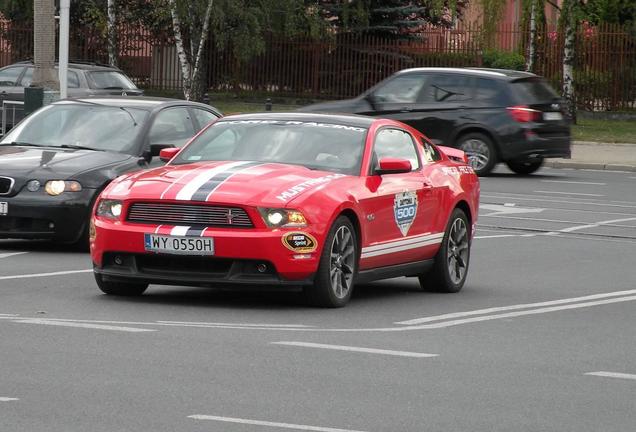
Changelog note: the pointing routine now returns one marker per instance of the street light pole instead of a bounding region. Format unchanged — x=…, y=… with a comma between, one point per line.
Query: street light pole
x=65, y=6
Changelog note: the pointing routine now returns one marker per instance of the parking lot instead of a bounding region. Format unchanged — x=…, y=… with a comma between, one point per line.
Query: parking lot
x=541, y=338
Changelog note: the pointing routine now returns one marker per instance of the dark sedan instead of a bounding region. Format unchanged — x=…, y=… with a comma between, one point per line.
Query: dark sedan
x=55, y=162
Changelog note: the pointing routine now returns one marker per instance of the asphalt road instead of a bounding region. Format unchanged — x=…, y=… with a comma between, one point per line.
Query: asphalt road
x=541, y=338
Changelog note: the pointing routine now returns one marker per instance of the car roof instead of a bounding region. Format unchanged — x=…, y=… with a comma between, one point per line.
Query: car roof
x=141, y=102
x=504, y=74
x=341, y=119
x=85, y=65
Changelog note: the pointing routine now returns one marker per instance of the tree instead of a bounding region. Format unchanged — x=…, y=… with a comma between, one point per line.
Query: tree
x=391, y=18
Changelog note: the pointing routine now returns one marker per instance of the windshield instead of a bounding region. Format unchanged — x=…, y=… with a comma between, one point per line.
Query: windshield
x=322, y=146
x=96, y=127
x=109, y=80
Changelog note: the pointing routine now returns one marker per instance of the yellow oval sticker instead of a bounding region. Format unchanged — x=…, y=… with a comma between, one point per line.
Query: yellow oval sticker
x=300, y=242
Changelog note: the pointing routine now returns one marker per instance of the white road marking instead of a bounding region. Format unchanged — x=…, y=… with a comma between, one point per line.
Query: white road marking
x=516, y=307
x=8, y=399
x=445, y=324
x=570, y=193
x=497, y=236
x=594, y=225
x=507, y=209
x=560, y=221
x=268, y=423
x=574, y=182
x=37, y=275
x=598, y=204
x=10, y=254
x=357, y=349
x=613, y=375
x=235, y=324
x=82, y=325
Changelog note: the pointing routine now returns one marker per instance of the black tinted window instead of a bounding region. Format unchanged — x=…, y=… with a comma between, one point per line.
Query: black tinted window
x=534, y=91
x=401, y=89
x=447, y=88
x=490, y=92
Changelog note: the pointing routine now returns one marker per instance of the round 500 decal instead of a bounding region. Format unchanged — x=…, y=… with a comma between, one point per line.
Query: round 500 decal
x=300, y=242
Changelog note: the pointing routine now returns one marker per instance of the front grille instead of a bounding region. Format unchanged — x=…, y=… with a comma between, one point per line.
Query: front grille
x=6, y=184
x=188, y=214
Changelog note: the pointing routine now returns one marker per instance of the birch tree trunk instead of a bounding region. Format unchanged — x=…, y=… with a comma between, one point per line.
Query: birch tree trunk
x=533, y=36
x=191, y=61
x=112, y=33
x=569, y=53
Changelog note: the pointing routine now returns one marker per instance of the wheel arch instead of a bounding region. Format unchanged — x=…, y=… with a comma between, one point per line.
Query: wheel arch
x=355, y=221
x=465, y=207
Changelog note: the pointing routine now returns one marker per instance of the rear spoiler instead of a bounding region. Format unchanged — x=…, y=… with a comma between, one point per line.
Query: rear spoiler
x=454, y=154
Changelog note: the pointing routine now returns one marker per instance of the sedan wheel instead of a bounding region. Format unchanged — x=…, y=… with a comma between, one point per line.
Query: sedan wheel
x=334, y=280
x=525, y=167
x=479, y=151
x=451, y=262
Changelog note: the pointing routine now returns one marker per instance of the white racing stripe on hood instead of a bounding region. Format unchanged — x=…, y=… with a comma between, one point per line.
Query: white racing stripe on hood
x=190, y=189
x=179, y=230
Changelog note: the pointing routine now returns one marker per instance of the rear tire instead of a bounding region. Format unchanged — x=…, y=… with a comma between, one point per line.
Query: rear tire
x=333, y=283
x=525, y=167
x=480, y=151
x=127, y=289
x=451, y=262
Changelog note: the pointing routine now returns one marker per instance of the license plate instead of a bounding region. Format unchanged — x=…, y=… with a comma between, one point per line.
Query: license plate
x=551, y=116
x=179, y=245
x=4, y=208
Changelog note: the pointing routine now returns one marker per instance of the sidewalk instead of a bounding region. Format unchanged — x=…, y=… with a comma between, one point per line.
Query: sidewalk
x=600, y=156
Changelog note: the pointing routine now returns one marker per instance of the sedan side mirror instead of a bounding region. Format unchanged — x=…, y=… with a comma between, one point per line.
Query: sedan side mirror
x=168, y=153
x=389, y=165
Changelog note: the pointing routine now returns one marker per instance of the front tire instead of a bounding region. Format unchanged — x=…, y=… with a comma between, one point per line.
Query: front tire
x=480, y=152
x=451, y=262
x=525, y=167
x=127, y=289
x=333, y=284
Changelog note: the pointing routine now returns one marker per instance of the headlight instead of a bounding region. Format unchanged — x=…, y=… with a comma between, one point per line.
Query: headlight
x=277, y=218
x=109, y=209
x=56, y=187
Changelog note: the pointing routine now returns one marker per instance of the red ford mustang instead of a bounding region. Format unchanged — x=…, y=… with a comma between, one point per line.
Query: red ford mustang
x=299, y=200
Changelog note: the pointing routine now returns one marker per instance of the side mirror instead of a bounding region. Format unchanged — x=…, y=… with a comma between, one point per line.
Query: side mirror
x=168, y=153
x=390, y=165
x=155, y=149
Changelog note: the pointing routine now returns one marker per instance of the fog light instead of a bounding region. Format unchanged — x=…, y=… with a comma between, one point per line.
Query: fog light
x=33, y=186
x=261, y=268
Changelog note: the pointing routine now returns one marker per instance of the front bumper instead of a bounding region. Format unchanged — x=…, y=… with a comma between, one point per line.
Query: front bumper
x=36, y=215
x=241, y=256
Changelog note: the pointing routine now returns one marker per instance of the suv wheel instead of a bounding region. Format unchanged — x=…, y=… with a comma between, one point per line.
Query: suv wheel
x=525, y=167
x=480, y=152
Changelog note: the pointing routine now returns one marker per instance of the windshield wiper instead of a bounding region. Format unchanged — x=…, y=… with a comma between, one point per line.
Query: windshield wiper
x=26, y=144
x=78, y=147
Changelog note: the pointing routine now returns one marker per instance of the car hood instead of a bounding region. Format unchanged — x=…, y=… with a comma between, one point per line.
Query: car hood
x=245, y=183
x=24, y=163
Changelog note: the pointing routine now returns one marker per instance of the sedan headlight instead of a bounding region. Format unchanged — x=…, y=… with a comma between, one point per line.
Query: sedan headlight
x=278, y=218
x=109, y=209
x=56, y=187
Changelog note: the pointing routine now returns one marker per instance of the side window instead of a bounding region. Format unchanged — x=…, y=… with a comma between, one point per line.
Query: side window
x=430, y=152
x=402, y=89
x=73, y=79
x=447, y=88
x=172, y=126
x=395, y=143
x=27, y=78
x=490, y=92
x=203, y=117
x=9, y=77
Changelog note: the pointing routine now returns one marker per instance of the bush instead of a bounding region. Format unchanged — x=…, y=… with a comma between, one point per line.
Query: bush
x=503, y=60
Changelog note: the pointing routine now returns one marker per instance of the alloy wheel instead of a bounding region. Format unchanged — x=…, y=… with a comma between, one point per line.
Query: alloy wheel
x=342, y=262
x=477, y=152
x=457, y=251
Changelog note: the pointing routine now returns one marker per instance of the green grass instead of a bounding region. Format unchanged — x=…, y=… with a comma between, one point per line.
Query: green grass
x=608, y=131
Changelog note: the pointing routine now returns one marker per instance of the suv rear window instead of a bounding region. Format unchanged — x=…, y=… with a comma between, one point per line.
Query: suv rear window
x=106, y=80
x=531, y=91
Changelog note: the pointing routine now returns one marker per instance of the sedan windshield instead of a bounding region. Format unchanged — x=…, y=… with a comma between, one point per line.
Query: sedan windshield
x=92, y=126
x=322, y=146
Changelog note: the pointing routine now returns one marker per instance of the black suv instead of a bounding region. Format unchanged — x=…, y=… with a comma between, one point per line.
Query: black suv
x=84, y=79
x=493, y=115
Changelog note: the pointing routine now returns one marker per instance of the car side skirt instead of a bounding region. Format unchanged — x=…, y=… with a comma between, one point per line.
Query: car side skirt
x=409, y=269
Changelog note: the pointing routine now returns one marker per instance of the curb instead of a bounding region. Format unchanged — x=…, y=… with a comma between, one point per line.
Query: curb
x=590, y=166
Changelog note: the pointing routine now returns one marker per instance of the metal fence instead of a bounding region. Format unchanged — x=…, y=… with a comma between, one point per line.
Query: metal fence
x=346, y=64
